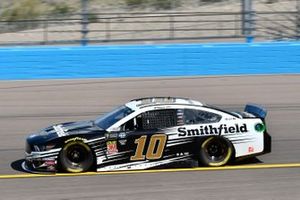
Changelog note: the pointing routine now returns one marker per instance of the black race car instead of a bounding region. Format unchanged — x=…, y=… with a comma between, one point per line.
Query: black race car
x=147, y=133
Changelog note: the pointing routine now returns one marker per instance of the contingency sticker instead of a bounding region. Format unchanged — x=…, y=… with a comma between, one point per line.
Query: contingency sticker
x=111, y=147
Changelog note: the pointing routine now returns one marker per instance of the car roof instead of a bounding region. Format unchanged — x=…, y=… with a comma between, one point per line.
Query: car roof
x=136, y=104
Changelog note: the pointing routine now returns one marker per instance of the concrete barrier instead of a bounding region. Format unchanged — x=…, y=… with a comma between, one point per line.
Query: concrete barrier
x=19, y=63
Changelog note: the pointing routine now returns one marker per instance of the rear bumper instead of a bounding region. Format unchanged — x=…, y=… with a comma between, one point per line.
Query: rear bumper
x=267, y=142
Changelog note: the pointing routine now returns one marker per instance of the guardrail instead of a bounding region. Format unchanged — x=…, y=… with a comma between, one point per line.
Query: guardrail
x=164, y=26
x=149, y=60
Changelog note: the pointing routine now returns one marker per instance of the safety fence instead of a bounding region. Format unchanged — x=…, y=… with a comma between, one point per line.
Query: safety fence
x=150, y=27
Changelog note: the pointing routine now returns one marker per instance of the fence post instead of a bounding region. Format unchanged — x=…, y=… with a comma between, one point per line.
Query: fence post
x=236, y=25
x=107, y=30
x=298, y=20
x=84, y=22
x=247, y=20
x=45, y=34
x=171, y=26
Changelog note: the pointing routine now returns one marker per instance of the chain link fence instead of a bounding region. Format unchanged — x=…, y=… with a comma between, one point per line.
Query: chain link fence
x=221, y=21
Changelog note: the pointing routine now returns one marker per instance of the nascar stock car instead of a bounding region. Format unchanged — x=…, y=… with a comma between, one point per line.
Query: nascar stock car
x=147, y=133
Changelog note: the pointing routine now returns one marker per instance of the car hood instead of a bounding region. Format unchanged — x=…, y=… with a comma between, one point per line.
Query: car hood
x=71, y=128
x=86, y=129
x=58, y=132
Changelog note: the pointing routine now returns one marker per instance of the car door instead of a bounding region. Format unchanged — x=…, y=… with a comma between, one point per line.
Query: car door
x=143, y=136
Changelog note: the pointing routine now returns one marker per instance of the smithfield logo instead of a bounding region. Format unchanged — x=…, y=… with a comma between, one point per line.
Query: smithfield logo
x=211, y=130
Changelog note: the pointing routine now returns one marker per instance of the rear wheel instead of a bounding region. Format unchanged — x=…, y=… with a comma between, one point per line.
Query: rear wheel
x=215, y=152
x=76, y=157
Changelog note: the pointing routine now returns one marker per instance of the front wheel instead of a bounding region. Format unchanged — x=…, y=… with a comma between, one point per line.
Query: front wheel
x=215, y=152
x=76, y=157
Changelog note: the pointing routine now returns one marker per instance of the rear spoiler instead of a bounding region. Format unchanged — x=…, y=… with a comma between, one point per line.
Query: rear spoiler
x=256, y=110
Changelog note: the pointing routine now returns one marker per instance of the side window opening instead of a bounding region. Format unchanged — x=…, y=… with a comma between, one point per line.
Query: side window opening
x=134, y=124
x=128, y=126
x=159, y=119
x=150, y=120
x=192, y=116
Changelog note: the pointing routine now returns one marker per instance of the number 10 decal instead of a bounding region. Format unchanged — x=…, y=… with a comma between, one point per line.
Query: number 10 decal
x=158, y=140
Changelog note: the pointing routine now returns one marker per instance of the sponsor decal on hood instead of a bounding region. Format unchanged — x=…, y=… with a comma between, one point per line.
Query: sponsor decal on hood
x=60, y=130
x=73, y=128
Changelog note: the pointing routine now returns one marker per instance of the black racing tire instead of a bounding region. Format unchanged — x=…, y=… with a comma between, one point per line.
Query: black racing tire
x=215, y=152
x=76, y=157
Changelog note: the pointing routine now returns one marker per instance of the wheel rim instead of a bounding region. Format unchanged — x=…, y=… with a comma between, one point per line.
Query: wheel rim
x=216, y=151
x=76, y=155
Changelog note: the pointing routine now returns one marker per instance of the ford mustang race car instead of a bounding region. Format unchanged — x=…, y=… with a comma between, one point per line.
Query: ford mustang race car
x=147, y=133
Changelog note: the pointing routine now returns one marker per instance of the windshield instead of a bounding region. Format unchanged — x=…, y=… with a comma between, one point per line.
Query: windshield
x=112, y=117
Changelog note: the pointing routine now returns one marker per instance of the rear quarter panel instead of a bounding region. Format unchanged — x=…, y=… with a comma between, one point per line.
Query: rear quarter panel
x=246, y=141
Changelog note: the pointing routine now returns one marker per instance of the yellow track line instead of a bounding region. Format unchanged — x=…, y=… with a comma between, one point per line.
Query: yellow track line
x=258, y=166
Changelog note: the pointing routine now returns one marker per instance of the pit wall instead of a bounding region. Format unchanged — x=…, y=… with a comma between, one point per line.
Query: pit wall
x=65, y=62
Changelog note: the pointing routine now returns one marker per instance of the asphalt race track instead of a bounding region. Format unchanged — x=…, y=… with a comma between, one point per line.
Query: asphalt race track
x=27, y=106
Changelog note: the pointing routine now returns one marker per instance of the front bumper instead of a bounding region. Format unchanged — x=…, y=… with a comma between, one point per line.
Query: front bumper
x=44, y=161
